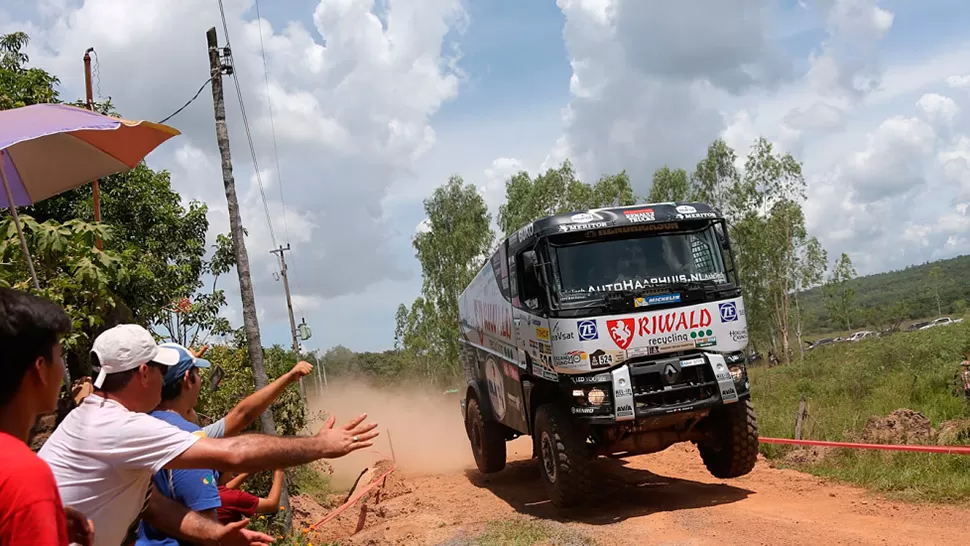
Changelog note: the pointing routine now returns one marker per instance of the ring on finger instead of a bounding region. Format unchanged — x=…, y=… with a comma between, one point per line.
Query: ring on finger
x=354, y=439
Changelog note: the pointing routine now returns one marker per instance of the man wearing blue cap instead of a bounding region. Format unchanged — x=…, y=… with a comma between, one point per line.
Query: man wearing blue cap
x=181, y=385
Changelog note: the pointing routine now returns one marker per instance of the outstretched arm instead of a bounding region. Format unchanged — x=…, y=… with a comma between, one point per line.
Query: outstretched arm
x=237, y=482
x=251, y=407
x=271, y=503
x=258, y=452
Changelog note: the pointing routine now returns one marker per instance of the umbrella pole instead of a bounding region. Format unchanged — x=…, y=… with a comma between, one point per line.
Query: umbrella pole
x=20, y=229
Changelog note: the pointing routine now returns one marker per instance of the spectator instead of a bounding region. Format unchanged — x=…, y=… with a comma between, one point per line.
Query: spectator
x=31, y=376
x=238, y=504
x=104, y=453
x=196, y=488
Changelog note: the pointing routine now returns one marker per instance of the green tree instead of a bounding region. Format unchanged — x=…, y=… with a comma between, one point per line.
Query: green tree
x=19, y=85
x=451, y=253
x=669, y=185
x=162, y=243
x=937, y=279
x=191, y=323
x=557, y=191
x=769, y=228
x=72, y=272
x=811, y=265
x=716, y=176
x=839, y=295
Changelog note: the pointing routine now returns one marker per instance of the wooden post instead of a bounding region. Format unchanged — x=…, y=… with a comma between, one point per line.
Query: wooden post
x=289, y=308
x=250, y=321
x=800, y=418
x=89, y=95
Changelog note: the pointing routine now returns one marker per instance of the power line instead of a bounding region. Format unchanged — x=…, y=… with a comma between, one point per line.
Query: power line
x=272, y=125
x=245, y=120
x=252, y=147
x=184, y=106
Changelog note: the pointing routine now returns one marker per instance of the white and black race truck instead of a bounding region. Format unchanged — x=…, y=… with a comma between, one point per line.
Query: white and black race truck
x=610, y=332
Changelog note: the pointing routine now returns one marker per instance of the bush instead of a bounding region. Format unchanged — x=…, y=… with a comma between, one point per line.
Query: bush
x=847, y=383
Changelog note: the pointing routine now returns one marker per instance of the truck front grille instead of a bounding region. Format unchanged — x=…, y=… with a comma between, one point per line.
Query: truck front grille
x=665, y=383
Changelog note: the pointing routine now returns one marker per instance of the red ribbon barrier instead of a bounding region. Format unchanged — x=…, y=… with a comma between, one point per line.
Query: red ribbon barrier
x=353, y=500
x=953, y=450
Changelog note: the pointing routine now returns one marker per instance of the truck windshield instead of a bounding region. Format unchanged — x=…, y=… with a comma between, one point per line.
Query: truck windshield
x=589, y=270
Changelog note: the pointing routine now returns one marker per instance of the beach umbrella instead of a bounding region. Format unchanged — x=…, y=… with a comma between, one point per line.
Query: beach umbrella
x=47, y=149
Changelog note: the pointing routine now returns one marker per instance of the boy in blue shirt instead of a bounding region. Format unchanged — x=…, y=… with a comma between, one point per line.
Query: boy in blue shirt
x=197, y=488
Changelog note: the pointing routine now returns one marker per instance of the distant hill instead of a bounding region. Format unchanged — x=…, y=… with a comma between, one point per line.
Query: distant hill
x=886, y=298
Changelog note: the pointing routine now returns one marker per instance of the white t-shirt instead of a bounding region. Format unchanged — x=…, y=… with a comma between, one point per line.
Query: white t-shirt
x=103, y=457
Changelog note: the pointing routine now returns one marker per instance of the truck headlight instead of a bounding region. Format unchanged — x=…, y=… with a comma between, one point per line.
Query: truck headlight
x=596, y=397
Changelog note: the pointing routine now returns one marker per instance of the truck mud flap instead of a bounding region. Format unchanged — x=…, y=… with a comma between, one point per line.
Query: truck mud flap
x=725, y=382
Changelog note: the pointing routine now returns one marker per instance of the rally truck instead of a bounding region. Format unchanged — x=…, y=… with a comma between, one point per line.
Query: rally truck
x=608, y=332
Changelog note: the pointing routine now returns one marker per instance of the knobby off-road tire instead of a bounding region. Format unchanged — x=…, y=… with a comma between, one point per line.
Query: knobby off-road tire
x=563, y=457
x=487, y=439
x=735, y=451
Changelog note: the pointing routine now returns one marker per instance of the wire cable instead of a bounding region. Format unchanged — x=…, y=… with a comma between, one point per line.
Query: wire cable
x=272, y=125
x=184, y=106
x=249, y=135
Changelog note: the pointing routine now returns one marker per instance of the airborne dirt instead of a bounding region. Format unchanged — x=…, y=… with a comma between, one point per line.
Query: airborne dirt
x=436, y=496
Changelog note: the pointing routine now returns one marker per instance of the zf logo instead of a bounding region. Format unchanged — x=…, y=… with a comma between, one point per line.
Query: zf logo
x=729, y=311
x=587, y=330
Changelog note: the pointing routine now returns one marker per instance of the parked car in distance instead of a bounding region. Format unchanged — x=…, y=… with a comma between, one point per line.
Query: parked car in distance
x=942, y=321
x=861, y=335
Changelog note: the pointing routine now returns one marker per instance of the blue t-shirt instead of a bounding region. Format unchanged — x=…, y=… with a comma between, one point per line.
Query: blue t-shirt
x=195, y=488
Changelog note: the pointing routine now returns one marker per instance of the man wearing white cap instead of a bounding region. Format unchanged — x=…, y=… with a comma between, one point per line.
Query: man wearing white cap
x=105, y=451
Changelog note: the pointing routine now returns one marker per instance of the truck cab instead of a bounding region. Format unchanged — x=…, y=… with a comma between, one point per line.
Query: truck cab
x=608, y=332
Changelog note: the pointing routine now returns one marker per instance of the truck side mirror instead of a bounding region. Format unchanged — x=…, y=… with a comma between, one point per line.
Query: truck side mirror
x=529, y=266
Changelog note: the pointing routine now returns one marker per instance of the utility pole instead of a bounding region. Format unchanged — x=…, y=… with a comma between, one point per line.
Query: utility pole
x=250, y=322
x=90, y=102
x=289, y=308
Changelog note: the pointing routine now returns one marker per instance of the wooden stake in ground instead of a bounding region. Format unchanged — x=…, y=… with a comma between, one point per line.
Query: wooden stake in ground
x=800, y=418
x=250, y=322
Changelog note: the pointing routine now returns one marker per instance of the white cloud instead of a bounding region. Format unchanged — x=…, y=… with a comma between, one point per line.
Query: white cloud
x=893, y=161
x=959, y=82
x=937, y=109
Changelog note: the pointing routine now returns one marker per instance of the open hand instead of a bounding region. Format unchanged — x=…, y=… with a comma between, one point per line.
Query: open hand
x=338, y=442
x=80, y=529
x=236, y=534
x=302, y=369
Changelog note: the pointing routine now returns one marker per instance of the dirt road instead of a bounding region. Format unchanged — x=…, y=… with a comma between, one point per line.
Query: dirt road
x=666, y=498
x=669, y=498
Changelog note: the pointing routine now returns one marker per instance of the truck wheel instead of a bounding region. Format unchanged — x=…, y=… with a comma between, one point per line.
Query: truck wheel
x=563, y=456
x=734, y=451
x=487, y=439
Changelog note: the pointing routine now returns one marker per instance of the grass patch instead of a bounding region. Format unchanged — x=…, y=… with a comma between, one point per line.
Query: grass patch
x=524, y=532
x=845, y=384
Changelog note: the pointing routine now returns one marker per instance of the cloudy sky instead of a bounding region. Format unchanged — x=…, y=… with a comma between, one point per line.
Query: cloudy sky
x=377, y=102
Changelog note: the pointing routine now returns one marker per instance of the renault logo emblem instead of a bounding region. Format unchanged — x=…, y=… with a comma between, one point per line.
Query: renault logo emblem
x=670, y=373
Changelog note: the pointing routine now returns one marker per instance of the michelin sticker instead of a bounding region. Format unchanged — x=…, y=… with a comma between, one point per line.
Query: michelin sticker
x=496, y=387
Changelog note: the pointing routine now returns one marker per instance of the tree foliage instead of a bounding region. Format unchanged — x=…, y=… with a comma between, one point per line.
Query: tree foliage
x=71, y=271
x=450, y=251
x=21, y=85
x=839, y=296
x=558, y=191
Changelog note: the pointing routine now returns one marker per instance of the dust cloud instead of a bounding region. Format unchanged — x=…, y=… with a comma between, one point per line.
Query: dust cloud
x=424, y=427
